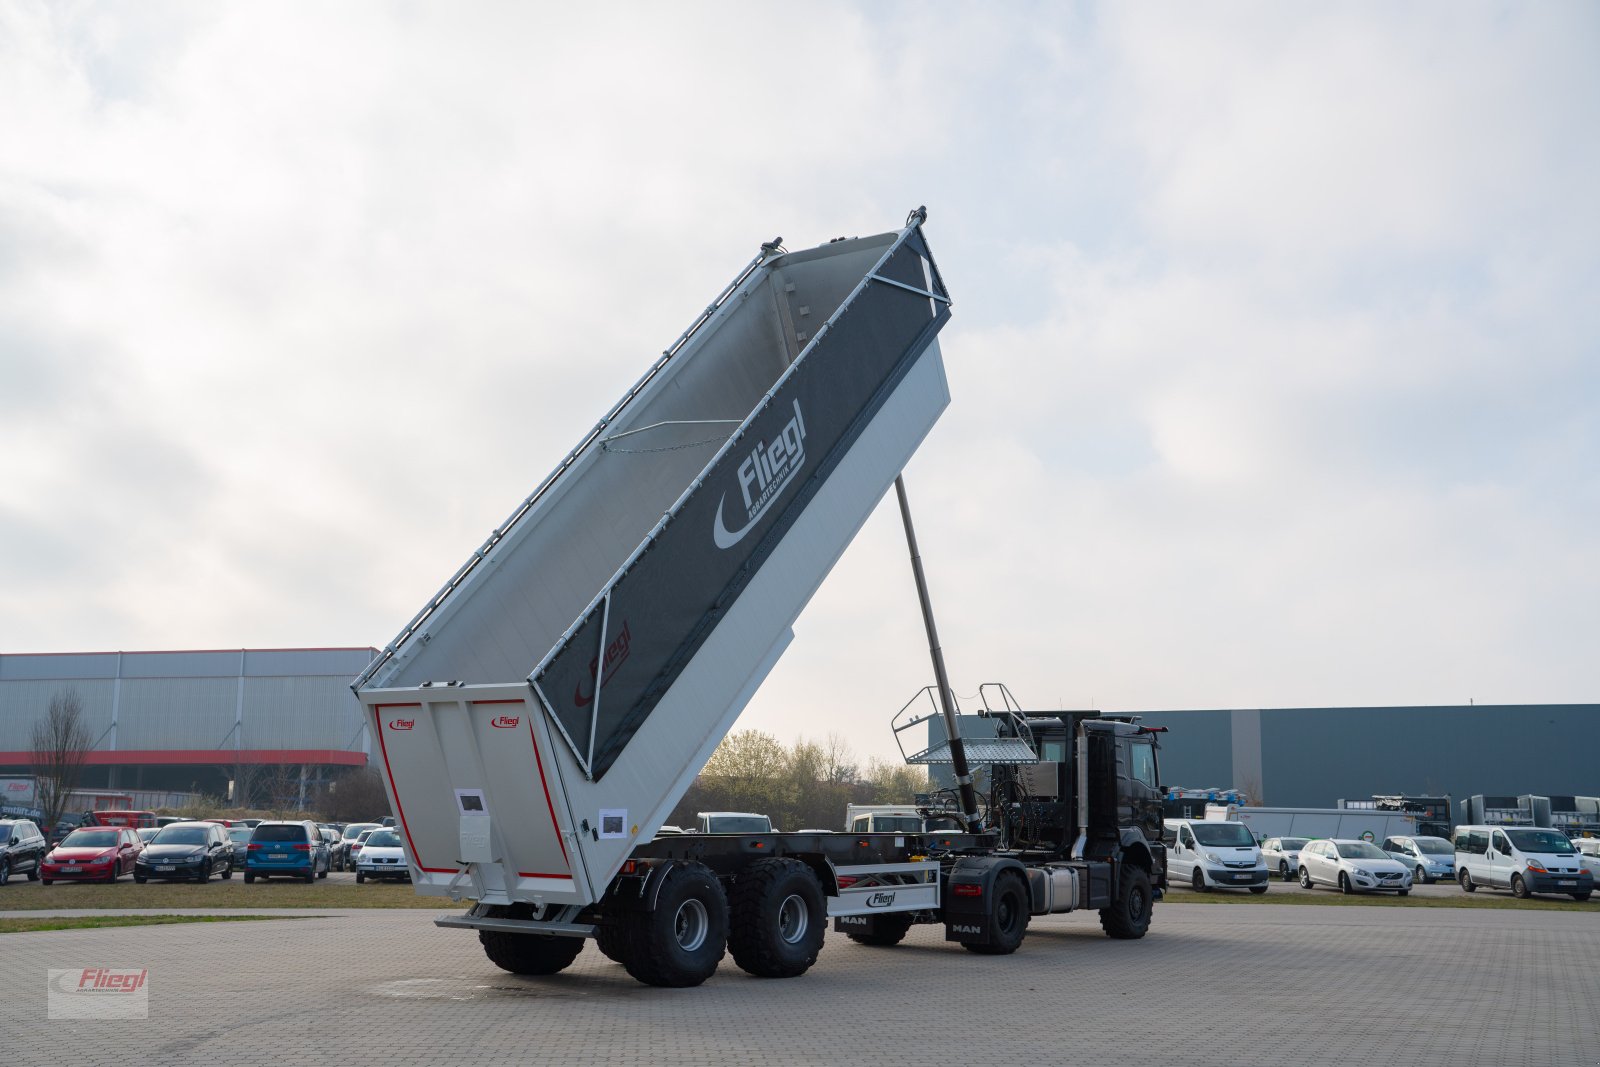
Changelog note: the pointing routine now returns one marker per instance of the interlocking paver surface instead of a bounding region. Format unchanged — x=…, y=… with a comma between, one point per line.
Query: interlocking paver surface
x=1212, y=984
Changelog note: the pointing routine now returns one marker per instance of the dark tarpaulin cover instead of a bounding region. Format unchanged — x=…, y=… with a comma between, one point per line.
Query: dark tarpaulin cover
x=666, y=605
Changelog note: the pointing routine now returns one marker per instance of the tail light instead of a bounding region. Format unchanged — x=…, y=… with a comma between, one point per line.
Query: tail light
x=966, y=889
x=847, y=880
x=302, y=848
x=253, y=847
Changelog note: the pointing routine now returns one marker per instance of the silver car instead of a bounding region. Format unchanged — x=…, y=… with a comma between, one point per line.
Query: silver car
x=1431, y=859
x=1352, y=867
x=1283, y=855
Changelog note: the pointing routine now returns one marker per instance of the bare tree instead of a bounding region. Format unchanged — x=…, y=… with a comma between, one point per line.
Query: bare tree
x=60, y=743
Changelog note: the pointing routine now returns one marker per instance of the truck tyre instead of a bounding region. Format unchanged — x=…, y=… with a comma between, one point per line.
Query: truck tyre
x=680, y=943
x=1008, y=917
x=885, y=931
x=611, y=942
x=777, y=919
x=527, y=953
x=1128, y=917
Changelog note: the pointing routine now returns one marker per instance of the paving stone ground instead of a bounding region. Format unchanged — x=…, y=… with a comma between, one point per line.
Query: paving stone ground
x=1235, y=986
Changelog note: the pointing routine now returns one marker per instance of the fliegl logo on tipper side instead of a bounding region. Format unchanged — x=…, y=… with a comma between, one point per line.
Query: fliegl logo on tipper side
x=616, y=655
x=402, y=724
x=505, y=722
x=763, y=475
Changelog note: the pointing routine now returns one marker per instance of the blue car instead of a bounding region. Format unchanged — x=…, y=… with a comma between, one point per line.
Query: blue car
x=286, y=850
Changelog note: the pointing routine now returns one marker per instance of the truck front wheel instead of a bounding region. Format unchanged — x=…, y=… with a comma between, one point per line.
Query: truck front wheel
x=680, y=943
x=778, y=919
x=1129, y=916
x=527, y=953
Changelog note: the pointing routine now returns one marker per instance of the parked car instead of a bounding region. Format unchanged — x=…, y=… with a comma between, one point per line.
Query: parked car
x=239, y=838
x=252, y=823
x=1352, y=866
x=279, y=849
x=22, y=849
x=147, y=832
x=1213, y=854
x=1588, y=854
x=382, y=855
x=1282, y=854
x=1522, y=859
x=353, y=850
x=341, y=855
x=1430, y=858
x=64, y=826
x=190, y=851
x=93, y=854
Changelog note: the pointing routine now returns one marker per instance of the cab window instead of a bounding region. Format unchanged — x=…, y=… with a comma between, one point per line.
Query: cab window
x=1144, y=764
x=1500, y=843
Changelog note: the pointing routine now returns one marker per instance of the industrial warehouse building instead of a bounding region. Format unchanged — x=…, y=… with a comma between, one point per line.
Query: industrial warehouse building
x=215, y=722
x=1313, y=757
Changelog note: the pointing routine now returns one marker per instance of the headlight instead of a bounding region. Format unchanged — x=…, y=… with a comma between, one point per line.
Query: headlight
x=1210, y=857
x=1363, y=873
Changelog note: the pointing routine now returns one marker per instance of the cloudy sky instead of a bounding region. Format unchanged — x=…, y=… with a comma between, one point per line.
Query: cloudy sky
x=1275, y=361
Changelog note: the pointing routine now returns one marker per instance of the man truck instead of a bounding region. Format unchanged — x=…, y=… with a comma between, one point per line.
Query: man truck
x=541, y=716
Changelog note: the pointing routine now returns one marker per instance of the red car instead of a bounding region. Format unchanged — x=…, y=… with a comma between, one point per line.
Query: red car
x=93, y=854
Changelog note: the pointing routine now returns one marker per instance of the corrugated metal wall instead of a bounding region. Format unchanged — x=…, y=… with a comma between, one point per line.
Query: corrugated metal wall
x=1313, y=757
x=287, y=698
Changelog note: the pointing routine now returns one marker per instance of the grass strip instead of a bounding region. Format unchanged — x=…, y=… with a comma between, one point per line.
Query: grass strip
x=233, y=893
x=94, y=922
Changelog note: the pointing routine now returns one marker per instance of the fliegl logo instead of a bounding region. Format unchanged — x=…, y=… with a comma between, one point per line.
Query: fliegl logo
x=765, y=472
x=616, y=655
x=505, y=722
x=402, y=724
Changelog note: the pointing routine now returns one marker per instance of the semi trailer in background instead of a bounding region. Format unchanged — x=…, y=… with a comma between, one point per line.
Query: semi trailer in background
x=542, y=715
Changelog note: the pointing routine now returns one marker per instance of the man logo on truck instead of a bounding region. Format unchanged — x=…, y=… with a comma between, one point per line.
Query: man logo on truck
x=762, y=476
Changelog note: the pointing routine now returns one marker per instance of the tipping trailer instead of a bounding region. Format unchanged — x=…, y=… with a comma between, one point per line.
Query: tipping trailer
x=541, y=716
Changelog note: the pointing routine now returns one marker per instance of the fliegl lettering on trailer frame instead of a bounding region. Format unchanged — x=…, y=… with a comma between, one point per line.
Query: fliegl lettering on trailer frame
x=763, y=475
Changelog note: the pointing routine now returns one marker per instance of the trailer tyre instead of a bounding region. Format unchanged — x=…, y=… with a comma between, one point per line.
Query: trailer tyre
x=527, y=953
x=778, y=919
x=1129, y=917
x=680, y=943
x=885, y=932
x=1008, y=919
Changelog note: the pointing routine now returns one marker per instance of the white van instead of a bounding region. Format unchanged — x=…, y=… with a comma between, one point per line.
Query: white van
x=1523, y=859
x=1214, y=854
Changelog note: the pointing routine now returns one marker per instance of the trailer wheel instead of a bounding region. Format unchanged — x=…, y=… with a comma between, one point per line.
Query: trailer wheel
x=682, y=941
x=885, y=930
x=1008, y=917
x=778, y=919
x=1129, y=916
x=527, y=953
